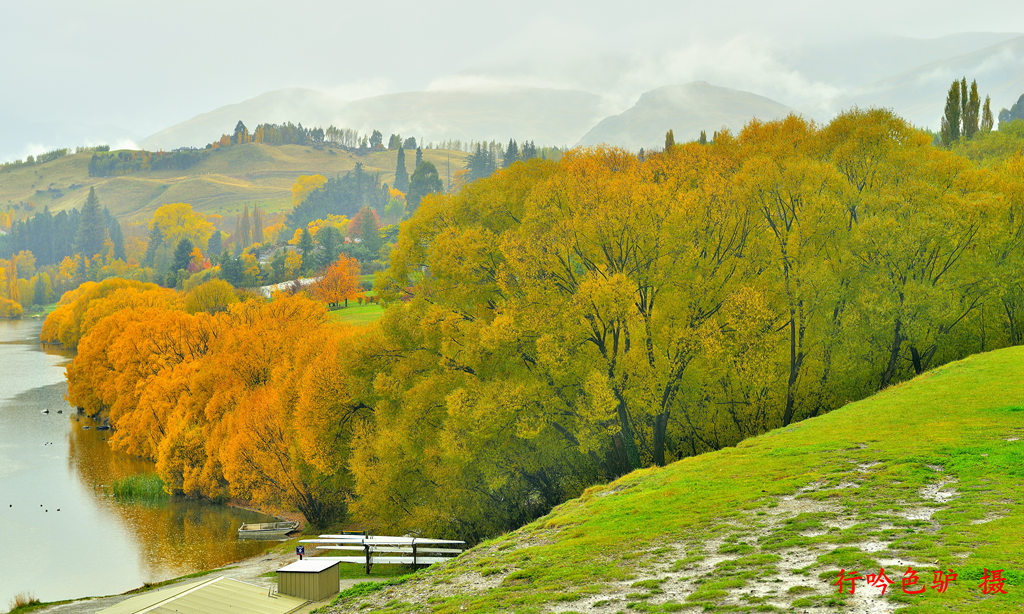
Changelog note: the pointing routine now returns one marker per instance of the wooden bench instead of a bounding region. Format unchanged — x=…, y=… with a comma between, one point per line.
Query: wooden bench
x=387, y=550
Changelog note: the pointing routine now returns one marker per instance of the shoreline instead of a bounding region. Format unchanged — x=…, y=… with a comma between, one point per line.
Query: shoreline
x=251, y=570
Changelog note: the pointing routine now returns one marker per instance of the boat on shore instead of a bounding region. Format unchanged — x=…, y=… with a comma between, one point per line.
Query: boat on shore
x=266, y=530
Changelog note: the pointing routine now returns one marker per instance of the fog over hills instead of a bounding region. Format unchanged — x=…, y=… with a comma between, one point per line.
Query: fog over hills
x=570, y=77
x=549, y=116
x=686, y=109
x=918, y=94
x=630, y=100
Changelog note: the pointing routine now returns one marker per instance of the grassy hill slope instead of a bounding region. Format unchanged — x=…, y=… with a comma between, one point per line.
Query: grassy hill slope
x=928, y=474
x=222, y=183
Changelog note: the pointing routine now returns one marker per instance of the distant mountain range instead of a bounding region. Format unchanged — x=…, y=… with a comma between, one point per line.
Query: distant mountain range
x=686, y=110
x=547, y=116
x=910, y=76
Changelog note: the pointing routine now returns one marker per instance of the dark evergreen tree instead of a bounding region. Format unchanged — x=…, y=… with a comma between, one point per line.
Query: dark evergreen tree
x=231, y=269
x=529, y=151
x=424, y=181
x=215, y=244
x=330, y=241
x=394, y=142
x=703, y=138
x=182, y=255
x=401, y=174
x=278, y=266
x=670, y=140
x=481, y=163
x=511, y=154
x=419, y=158
x=343, y=195
x=92, y=229
x=369, y=232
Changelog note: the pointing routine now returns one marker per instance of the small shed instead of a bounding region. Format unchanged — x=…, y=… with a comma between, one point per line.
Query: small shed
x=313, y=579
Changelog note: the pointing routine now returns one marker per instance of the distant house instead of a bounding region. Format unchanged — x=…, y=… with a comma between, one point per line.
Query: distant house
x=286, y=286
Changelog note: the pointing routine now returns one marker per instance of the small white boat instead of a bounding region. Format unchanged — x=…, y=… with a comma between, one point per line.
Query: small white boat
x=266, y=530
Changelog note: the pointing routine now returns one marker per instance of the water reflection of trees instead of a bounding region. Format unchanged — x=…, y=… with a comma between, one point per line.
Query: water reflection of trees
x=174, y=537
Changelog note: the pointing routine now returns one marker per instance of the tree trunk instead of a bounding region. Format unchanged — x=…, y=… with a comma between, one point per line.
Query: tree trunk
x=628, y=437
x=787, y=415
x=894, y=354
x=660, y=427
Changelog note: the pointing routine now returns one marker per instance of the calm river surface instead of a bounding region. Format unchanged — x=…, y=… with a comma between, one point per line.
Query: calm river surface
x=60, y=535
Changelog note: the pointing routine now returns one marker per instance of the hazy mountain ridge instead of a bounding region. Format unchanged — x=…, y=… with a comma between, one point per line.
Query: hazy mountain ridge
x=686, y=110
x=907, y=75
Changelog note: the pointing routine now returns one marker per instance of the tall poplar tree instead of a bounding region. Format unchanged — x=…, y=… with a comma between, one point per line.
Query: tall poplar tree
x=987, y=120
x=971, y=112
x=242, y=231
x=951, y=117
x=257, y=225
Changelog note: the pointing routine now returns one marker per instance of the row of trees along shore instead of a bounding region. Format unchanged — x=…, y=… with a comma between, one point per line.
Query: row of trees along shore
x=561, y=323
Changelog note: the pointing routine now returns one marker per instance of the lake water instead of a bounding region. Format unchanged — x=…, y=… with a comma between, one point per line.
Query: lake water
x=61, y=536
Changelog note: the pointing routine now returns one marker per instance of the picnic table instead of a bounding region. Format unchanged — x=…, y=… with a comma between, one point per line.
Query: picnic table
x=389, y=550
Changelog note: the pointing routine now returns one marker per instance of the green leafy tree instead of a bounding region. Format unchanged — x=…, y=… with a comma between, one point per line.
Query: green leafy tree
x=330, y=240
x=215, y=244
x=376, y=140
x=670, y=140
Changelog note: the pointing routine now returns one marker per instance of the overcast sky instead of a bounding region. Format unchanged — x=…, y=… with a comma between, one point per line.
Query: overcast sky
x=102, y=67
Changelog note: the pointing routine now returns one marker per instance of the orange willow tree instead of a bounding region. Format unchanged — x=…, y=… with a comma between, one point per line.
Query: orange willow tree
x=243, y=402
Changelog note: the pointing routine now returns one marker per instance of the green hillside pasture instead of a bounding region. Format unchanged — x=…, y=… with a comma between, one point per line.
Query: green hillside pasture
x=927, y=474
x=357, y=314
x=223, y=183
